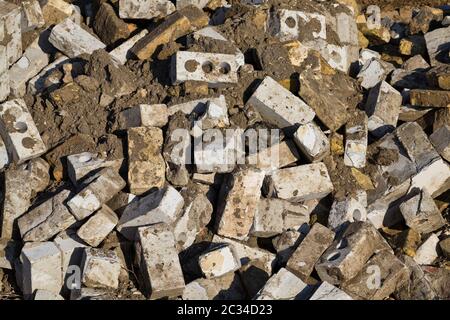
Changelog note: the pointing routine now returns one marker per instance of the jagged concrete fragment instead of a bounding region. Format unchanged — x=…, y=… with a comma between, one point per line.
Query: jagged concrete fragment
x=21, y=186
x=101, y=268
x=215, y=116
x=374, y=71
x=279, y=106
x=99, y=225
x=19, y=132
x=312, y=141
x=80, y=165
x=145, y=9
x=10, y=31
x=383, y=107
x=146, y=167
x=268, y=219
x=226, y=287
x=32, y=17
x=240, y=193
x=122, y=52
x=163, y=205
x=356, y=136
x=382, y=275
x=421, y=213
x=427, y=252
x=159, y=263
x=351, y=208
x=284, y=285
x=327, y=291
x=305, y=182
x=47, y=78
x=274, y=157
x=144, y=115
x=103, y=187
x=303, y=259
x=72, y=40
x=219, y=261
x=345, y=258
x=41, y=268
x=47, y=219
x=440, y=139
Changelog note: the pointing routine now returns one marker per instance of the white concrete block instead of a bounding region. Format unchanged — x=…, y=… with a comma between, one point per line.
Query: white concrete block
x=160, y=265
x=164, y=205
x=98, y=226
x=71, y=248
x=101, y=268
x=215, y=116
x=122, y=53
x=72, y=40
x=277, y=156
x=284, y=285
x=279, y=106
x=305, y=182
x=327, y=291
x=374, y=71
x=32, y=17
x=349, y=209
x=10, y=30
x=434, y=178
x=46, y=295
x=144, y=115
x=105, y=186
x=268, y=220
x=41, y=268
x=288, y=24
x=4, y=82
x=19, y=131
x=312, y=141
x=383, y=107
x=145, y=9
x=427, y=252
x=214, y=68
x=366, y=55
x=356, y=137
x=39, y=83
x=219, y=261
x=347, y=29
x=438, y=43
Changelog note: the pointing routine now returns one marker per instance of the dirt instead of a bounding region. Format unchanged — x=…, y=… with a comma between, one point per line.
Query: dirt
x=397, y=4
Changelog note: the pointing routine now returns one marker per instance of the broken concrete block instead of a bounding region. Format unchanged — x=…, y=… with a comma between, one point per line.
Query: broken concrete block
x=146, y=166
x=80, y=165
x=286, y=25
x=356, y=136
x=147, y=9
x=434, y=178
x=305, y=182
x=9, y=251
x=101, y=268
x=158, y=249
x=72, y=40
x=32, y=17
x=440, y=139
x=351, y=208
x=174, y=26
x=196, y=215
x=374, y=71
x=71, y=248
x=382, y=107
x=99, y=225
x=45, y=294
x=19, y=131
x=21, y=186
x=366, y=55
x=103, y=187
x=274, y=157
x=144, y=115
x=108, y=26
x=41, y=263
x=303, y=259
x=241, y=193
x=164, y=205
x=55, y=11
x=226, y=287
x=391, y=273
x=215, y=116
x=284, y=285
x=10, y=31
x=286, y=243
x=279, y=106
x=345, y=258
x=268, y=219
x=47, y=219
x=312, y=141
x=421, y=213
x=33, y=60
x=214, y=68
x=427, y=252
x=122, y=52
x=416, y=144
x=327, y=291
x=46, y=79
x=430, y=98
x=219, y=261
x=438, y=43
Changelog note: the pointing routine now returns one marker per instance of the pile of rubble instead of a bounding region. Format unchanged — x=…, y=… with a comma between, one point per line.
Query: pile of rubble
x=224, y=149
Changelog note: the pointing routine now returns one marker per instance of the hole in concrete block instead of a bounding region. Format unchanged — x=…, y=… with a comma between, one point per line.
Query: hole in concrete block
x=191, y=65
x=224, y=68
x=21, y=126
x=290, y=22
x=207, y=67
x=334, y=256
x=357, y=215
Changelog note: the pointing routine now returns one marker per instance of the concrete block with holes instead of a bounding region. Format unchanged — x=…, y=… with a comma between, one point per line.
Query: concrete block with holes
x=214, y=68
x=80, y=165
x=19, y=131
